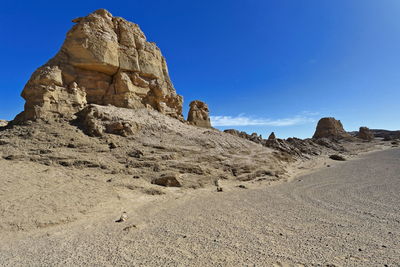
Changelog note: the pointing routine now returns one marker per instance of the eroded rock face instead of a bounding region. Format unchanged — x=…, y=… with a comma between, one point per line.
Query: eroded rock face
x=199, y=114
x=330, y=128
x=104, y=60
x=365, y=134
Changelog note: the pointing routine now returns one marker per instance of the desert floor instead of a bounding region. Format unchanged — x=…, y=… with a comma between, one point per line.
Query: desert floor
x=347, y=214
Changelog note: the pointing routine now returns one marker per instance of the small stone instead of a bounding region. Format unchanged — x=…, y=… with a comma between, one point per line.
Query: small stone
x=129, y=227
x=123, y=217
x=337, y=157
x=135, y=154
x=112, y=145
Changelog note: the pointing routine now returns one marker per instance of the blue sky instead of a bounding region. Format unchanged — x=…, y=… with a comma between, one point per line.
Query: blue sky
x=261, y=65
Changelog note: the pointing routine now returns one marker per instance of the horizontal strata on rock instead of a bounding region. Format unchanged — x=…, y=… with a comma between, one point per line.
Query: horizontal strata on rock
x=104, y=60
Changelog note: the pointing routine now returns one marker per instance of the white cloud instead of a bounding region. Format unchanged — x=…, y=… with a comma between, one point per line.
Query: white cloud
x=242, y=120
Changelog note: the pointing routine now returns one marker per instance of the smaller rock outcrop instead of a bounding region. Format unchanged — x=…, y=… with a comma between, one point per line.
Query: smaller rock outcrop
x=365, y=134
x=199, y=114
x=330, y=128
x=272, y=136
x=96, y=122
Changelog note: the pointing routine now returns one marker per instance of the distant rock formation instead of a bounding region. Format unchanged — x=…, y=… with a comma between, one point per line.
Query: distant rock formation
x=386, y=134
x=365, y=134
x=104, y=60
x=292, y=146
x=199, y=114
x=330, y=128
x=272, y=136
x=3, y=123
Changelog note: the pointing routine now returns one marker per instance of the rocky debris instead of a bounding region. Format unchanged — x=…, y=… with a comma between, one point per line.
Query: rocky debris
x=365, y=134
x=254, y=137
x=96, y=123
x=136, y=153
x=337, y=157
x=272, y=136
x=328, y=143
x=199, y=114
x=104, y=60
x=168, y=180
x=3, y=123
x=330, y=128
x=292, y=146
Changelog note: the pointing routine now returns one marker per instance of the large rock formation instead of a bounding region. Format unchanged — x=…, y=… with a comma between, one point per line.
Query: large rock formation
x=365, y=134
x=104, y=60
x=330, y=128
x=199, y=114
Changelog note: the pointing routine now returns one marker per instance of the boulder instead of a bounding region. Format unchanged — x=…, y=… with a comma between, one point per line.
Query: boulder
x=365, y=134
x=199, y=114
x=330, y=128
x=103, y=60
x=168, y=180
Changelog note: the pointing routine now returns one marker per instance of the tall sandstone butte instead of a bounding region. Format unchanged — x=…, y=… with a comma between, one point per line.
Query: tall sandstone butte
x=330, y=128
x=104, y=60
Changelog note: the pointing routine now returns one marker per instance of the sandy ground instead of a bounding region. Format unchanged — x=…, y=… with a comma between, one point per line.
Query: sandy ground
x=347, y=214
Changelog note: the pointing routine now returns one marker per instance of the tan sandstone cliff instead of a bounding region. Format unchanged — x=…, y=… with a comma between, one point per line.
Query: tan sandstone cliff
x=104, y=60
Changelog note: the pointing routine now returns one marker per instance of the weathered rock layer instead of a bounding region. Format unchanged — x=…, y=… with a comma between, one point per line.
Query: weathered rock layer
x=104, y=60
